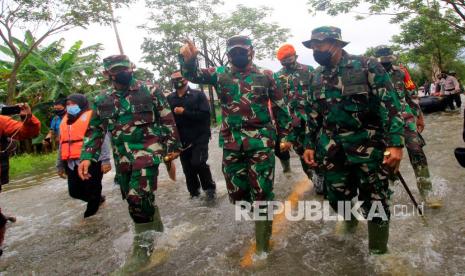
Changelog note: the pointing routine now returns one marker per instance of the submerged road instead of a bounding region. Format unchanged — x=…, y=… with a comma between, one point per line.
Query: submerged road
x=52, y=238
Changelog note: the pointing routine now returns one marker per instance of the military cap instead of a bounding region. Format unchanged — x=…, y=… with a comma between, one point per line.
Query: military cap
x=115, y=61
x=240, y=41
x=384, y=54
x=325, y=33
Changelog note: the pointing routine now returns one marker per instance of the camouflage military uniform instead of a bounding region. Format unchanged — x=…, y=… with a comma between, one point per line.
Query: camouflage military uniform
x=410, y=112
x=295, y=84
x=247, y=133
x=142, y=131
x=354, y=117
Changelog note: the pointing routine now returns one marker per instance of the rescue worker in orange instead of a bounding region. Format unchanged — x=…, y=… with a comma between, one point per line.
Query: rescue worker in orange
x=72, y=131
x=10, y=131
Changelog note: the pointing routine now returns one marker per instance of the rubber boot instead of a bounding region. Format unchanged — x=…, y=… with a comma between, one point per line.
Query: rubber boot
x=263, y=230
x=423, y=180
x=143, y=244
x=157, y=223
x=378, y=235
x=142, y=248
x=426, y=187
x=286, y=164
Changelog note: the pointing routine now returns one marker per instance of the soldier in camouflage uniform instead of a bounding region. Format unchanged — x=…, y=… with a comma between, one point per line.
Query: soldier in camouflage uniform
x=247, y=133
x=143, y=134
x=412, y=115
x=294, y=79
x=355, y=130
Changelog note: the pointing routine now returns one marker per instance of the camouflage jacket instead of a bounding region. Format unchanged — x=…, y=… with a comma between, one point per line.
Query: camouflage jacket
x=140, y=123
x=354, y=108
x=295, y=84
x=244, y=98
x=410, y=109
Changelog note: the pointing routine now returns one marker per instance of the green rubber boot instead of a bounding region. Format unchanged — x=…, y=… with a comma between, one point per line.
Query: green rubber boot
x=157, y=223
x=143, y=244
x=263, y=230
x=286, y=164
x=378, y=235
x=423, y=180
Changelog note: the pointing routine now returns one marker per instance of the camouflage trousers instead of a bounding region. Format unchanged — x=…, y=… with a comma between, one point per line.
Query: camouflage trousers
x=414, y=144
x=249, y=174
x=138, y=187
x=368, y=181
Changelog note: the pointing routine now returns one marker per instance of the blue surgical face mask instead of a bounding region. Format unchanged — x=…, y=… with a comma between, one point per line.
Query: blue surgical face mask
x=73, y=109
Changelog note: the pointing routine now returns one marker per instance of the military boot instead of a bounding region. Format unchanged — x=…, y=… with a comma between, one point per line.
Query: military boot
x=378, y=235
x=423, y=180
x=286, y=164
x=143, y=244
x=263, y=230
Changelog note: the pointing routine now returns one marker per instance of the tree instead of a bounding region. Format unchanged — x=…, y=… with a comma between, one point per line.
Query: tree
x=400, y=10
x=144, y=74
x=50, y=72
x=427, y=47
x=433, y=46
x=172, y=21
x=46, y=17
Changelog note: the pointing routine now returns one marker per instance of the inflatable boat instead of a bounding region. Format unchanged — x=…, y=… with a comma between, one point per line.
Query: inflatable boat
x=430, y=104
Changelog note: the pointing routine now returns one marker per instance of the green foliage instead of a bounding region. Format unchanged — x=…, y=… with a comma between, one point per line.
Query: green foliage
x=144, y=74
x=51, y=72
x=46, y=17
x=400, y=10
x=172, y=21
x=430, y=45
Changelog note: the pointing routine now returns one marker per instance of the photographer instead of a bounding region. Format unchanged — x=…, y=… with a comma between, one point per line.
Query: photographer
x=11, y=130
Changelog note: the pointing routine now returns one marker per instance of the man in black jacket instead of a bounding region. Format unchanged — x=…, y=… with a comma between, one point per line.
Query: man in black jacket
x=192, y=114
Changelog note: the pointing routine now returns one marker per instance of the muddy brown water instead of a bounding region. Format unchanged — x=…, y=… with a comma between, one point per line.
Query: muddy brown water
x=51, y=237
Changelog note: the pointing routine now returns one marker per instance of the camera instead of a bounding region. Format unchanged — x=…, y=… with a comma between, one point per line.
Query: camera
x=9, y=110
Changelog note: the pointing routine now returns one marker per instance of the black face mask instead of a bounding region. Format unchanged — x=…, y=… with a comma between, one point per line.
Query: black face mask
x=323, y=58
x=123, y=78
x=288, y=65
x=240, y=59
x=178, y=84
x=60, y=112
x=387, y=65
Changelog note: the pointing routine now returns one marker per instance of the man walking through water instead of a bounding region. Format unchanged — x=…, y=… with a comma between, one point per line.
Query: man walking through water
x=414, y=123
x=192, y=114
x=294, y=79
x=247, y=133
x=355, y=132
x=143, y=134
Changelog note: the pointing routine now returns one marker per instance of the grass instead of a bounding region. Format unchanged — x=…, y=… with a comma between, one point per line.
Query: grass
x=27, y=164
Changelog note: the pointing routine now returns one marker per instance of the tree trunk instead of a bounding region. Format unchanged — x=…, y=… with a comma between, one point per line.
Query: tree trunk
x=11, y=92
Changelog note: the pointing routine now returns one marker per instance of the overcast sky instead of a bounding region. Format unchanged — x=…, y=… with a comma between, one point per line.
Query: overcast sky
x=290, y=14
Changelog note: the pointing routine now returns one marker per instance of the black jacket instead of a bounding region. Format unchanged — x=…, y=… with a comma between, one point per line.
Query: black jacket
x=194, y=124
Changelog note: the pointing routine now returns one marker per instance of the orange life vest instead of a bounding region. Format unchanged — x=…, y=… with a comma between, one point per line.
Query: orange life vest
x=72, y=136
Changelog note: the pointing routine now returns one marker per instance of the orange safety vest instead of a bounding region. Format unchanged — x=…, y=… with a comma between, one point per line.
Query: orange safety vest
x=72, y=136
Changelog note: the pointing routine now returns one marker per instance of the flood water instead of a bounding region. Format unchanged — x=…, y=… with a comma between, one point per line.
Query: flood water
x=51, y=237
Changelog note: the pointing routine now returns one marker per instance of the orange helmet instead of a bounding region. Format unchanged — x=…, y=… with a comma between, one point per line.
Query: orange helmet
x=285, y=51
